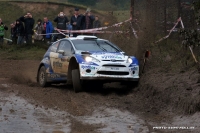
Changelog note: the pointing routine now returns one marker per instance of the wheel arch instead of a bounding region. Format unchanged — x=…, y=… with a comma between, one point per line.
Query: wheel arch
x=41, y=65
x=73, y=64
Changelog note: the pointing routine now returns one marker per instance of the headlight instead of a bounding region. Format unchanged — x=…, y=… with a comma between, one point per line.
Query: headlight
x=130, y=61
x=90, y=59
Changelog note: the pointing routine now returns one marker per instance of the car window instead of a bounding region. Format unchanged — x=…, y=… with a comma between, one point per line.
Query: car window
x=67, y=47
x=54, y=47
x=95, y=45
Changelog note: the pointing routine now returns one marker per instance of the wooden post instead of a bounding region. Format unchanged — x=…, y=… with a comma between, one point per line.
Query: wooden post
x=132, y=10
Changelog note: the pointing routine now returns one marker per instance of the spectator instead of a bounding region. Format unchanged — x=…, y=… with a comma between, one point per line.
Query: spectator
x=2, y=29
x=76, y=21
x=29, y=23
x=88, y=20
x=96, y=24
x=38, y=29
x=61, y=21
x=19, y=27
x=48, y=29
x=69, y=27
x=13, y=36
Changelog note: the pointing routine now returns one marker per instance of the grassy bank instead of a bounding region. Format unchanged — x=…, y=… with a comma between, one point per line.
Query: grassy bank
x=22, y=52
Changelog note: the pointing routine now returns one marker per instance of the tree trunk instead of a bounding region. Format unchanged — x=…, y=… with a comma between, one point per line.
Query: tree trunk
x=132, y=10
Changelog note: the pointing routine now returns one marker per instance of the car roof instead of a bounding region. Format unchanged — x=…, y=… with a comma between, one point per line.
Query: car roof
x=84, y=37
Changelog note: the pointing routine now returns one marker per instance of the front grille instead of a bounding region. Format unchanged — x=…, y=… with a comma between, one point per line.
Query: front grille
x=112, y=73
x=109, y=65
x=114, y=60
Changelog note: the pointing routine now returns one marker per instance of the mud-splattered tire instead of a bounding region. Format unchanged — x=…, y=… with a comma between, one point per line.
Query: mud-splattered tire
x=42, y=77
x=76, y=81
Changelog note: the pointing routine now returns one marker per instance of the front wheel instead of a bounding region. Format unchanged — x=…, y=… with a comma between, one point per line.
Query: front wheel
x=42, y=77
x=76, y=80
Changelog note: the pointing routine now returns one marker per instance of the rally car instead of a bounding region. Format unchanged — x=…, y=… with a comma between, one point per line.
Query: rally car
x=86, y=60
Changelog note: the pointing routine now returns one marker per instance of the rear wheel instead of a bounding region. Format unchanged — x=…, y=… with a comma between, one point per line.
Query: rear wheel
x=76, y=81
x=42, y=77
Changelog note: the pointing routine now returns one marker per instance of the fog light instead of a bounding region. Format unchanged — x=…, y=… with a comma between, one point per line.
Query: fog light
x=133, y=72
x=88, y=71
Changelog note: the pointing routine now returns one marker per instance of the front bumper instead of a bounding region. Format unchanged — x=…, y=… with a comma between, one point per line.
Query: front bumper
x=91, y=72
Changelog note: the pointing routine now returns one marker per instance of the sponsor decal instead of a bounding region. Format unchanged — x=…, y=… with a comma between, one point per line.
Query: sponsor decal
x=111, y=57
x=134, y=69
x=89, y=63
x=88, y=67
x=54, y=76
x=57, y=64
x=103, y=53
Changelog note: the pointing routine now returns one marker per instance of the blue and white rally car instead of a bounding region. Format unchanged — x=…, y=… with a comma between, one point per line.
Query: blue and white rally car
x=86, y=60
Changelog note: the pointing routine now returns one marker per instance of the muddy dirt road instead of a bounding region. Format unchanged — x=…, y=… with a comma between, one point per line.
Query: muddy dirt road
x=26, y=107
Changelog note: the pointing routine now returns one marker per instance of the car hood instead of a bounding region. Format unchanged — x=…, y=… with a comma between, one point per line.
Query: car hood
x=108, y=56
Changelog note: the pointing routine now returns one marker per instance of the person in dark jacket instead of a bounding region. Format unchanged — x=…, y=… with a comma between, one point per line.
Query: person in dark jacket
x=13, y=36
x=88, y=20
x=76, y=22
x=61, y=21
x=97, y=23
x=19, y=28
x=28, y=23
x=2, y=29
x=48, y=29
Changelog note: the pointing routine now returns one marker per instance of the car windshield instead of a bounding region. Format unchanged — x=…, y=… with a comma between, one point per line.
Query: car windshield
x=95, y=45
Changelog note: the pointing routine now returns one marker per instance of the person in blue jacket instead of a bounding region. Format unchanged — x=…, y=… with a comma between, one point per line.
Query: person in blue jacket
x=48, y=29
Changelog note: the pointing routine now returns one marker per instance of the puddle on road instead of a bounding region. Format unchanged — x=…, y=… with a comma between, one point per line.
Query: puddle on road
x=116, y=121
x=17, y=116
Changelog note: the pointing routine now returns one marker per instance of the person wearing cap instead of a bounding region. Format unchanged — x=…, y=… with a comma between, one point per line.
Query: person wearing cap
x=2, y=29
x=29, y=25
x=61, y=21
x=76, y=21
x=39, y=28
x=88, y=19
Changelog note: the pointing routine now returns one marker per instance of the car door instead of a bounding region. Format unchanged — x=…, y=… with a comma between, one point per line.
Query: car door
x=66, y=46
x=54, y=58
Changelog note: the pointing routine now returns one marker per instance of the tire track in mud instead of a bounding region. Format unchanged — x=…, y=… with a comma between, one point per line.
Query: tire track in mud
x=93, y=110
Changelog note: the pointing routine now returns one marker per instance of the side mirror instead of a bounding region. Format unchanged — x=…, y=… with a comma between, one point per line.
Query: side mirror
x=147, y=54
x=61, y=52
x=122, y=52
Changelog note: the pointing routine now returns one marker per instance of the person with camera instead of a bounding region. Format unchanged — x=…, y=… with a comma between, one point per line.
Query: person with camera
x=61, y=21
x=29, y=25
x=88, y=19
x=2, y=29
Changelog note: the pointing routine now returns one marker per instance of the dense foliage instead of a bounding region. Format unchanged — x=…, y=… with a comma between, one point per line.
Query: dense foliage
x=191, y=37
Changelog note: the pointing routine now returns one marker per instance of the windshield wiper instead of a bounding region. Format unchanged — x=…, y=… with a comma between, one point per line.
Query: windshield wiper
x=117, y=50
x=100, y=46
